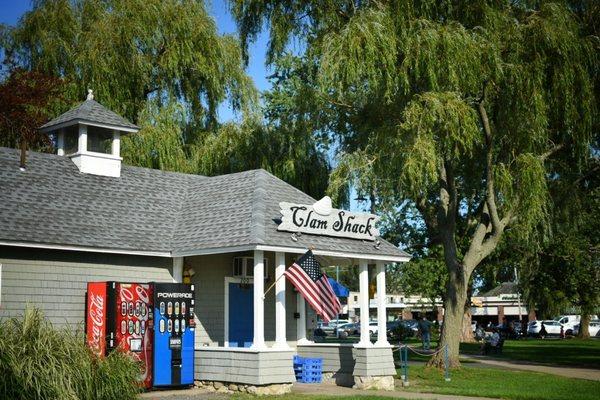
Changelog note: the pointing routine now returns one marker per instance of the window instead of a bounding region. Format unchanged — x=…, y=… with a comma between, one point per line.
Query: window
x=238, y=266
x=71, y=139
x=243, y=267
x=99, y=140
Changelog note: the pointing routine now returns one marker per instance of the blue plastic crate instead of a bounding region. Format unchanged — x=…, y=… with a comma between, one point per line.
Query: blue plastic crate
x=308, y=370
x=312, y=367
x=309, y=379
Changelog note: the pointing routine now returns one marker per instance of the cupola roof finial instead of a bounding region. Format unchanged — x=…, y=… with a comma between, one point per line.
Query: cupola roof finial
x=90, y=95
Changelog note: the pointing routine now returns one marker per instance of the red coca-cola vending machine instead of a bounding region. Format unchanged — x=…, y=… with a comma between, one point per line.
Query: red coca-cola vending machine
x=119, y=316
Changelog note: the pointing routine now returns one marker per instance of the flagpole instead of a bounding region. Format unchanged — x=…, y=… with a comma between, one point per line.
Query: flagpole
x=271, y=287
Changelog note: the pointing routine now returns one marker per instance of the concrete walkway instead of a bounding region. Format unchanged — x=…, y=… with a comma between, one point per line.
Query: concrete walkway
x=325, y=389
x=568, y=372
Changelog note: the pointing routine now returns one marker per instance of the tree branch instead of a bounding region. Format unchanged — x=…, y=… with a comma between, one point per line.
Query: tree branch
x=490, y=191
x=552, y=151
x=428, y=213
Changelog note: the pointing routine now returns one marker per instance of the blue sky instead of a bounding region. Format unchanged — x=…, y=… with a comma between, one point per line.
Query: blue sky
x=11, y=11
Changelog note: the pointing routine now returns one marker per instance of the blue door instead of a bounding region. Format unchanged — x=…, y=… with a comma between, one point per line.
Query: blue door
x=241, y=315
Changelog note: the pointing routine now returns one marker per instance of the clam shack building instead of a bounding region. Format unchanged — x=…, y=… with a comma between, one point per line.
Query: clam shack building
x=81, y=215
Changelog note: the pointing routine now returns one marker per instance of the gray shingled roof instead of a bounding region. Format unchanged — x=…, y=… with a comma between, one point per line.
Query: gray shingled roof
x=148, y=210
x=503, y=288
x=93, y=112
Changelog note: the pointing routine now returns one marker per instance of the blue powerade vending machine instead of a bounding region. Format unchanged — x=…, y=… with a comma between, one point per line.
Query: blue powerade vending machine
x=173, y=334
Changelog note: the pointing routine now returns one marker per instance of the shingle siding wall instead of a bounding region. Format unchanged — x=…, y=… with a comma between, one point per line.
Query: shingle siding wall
x=208, y=283
x=374, y=361
x=336, y=358
x=56, y=281
x=253, y=368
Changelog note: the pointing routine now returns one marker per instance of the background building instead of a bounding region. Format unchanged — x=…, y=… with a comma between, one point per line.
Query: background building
x=491, y=306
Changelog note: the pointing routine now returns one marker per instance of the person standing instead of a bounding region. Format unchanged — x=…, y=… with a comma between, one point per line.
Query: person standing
x=543, y=332
x=425, y=330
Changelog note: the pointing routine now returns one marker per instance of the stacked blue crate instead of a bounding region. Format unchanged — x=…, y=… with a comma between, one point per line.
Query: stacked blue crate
x=308, y=370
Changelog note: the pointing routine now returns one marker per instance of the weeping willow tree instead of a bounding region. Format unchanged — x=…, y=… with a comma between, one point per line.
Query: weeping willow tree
x=163, y=65
x=131, y=51
x=458, y=107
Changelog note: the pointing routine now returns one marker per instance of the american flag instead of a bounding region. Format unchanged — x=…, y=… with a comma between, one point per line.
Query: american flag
x=305, y=274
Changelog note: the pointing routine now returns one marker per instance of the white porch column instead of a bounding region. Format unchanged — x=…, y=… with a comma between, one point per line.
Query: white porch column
x=82, y=141
x=116, y=143
x=258, y=341
x=177, y=269
x=60, y=142
x=381, y=307
x=301, y=321
x=280, y=338
x=363, y=301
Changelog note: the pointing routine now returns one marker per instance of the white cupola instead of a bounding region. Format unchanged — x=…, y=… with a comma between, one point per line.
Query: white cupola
x=90, y=135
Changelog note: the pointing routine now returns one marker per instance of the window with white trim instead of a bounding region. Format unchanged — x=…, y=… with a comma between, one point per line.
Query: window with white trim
x=243, y=267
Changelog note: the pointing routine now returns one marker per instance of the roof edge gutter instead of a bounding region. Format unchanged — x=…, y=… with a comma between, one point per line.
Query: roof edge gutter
x=48, y=246
x=87, y=122
x=291, y=250
x=209, y=251
x=338, y=254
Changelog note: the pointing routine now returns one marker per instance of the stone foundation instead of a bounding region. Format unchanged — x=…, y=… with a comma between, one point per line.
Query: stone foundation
x=374, y=382
x=259, y=390
x=338, y=378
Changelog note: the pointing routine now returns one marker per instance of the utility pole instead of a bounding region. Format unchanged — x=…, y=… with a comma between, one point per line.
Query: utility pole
x=518, y=295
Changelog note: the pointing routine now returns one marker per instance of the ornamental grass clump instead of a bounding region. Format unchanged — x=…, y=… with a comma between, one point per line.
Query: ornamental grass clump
x=38, y=361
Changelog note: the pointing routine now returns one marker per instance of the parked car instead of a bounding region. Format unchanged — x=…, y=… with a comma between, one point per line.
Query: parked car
x=325, y=327
x=570, y=321
x=330, y=326
x=372, y=327
x=552, y=327
x=413, y=324
x=512, y=330
x=594, y=328
x=348, y=329
x=399, y=330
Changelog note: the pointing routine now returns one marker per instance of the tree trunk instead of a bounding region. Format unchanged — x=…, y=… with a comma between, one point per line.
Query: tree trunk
x=454, y=306
x=584, y=325
x=466, y=334
x=23, y=158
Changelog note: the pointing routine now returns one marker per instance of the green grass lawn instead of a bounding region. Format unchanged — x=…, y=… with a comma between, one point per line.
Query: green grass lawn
x=505, y=384
x=567, y=352
x=481, y=382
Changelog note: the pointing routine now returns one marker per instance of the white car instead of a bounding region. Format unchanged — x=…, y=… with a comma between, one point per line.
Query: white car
x=329, y=327
x=372, y=327
x=594, y=328
x=569, y=322
x=338, y=322
x=552, y=327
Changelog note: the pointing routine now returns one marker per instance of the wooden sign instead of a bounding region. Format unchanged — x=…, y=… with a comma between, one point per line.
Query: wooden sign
x=303, y=218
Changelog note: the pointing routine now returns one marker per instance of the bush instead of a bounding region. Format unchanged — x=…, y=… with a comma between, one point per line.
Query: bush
x=38, y=361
